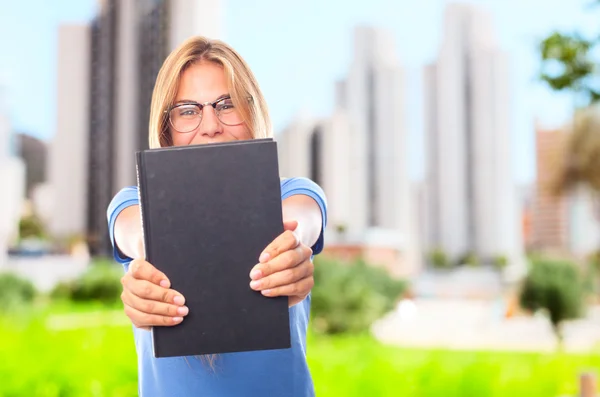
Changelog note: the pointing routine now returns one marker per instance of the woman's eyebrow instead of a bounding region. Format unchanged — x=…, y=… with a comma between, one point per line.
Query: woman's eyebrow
x=192, y=101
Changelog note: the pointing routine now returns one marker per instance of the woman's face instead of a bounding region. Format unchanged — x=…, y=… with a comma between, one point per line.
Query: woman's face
x=205, y=82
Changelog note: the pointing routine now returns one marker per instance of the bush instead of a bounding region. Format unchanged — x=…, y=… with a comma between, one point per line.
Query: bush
x=500, y=262
x=438, y=259
x=100, y=283
x=349, y=297
x=15, y=291
x=31, y=227
x=468, y=259
x=555, y=287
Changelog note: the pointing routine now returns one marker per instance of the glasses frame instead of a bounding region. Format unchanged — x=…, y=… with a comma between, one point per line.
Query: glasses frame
x=201, y=106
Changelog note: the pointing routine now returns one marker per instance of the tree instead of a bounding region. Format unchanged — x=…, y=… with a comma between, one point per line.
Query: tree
x=555, y=287
x=569, y=64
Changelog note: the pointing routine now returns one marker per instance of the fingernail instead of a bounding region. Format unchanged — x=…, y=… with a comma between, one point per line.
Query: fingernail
x=263, y=257
x=266, y=292
x=183, y=310
x=164, y=283
x=179, y=300
x=255, y=274
x=177, y=319
x=255, y=284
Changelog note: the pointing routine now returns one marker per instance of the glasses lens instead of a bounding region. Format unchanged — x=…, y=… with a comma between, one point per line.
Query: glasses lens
x=185, y=118
x=227, y=112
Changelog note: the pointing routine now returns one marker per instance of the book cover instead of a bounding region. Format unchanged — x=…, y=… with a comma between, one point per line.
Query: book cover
x=208, y=211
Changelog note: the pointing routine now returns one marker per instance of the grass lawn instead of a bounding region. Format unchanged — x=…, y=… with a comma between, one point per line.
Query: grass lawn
x=88, y=351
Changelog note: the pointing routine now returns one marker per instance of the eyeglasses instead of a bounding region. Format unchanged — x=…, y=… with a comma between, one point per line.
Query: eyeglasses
x=186, y=117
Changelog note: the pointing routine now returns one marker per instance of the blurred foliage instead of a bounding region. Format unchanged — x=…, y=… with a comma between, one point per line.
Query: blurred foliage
x=570, y=63
x=581, y=165
x=100, y=361
x=101, y=283
x=500, y=261
x=349, y=297
x=555, y=287
x=359, y=366
x=468, y=259
x=439, y=259
x=31, y=226
x=15, y=292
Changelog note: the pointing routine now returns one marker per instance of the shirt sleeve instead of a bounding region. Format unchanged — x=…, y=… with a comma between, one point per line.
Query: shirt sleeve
x=124, y=198
x=293, y=186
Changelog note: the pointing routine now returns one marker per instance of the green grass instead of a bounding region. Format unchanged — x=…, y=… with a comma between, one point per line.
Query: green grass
x=41, y=358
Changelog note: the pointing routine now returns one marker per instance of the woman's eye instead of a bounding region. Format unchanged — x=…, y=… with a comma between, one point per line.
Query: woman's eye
x=225, y=105
x=188, y=112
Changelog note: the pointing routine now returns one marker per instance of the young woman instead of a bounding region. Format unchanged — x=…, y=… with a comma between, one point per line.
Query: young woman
x=206, y=93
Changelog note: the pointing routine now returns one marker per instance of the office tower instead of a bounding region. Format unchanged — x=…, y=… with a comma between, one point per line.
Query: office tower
x=319, y=149
x=68, y=167
x=12, y=182
x=33, y=152
x=127, y=44
x=471, y=196
x=358, y=155
x=550, y=210
x=563, y=222
x=372, y=96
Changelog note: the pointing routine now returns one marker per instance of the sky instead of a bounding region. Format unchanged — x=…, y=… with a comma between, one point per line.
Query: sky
x=298, y=50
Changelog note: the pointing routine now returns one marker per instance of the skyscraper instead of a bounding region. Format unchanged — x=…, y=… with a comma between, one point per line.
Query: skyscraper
x=359, y=154
x=12, y=182
x=550, y=210
x=126, y=46
x=372, y=97
x=471, y=196
x=68, y=156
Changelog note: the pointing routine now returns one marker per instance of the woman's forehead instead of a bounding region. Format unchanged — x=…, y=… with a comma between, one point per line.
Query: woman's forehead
x=202, y=82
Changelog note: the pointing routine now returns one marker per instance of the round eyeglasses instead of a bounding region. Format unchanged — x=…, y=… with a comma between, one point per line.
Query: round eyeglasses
x=186, y=117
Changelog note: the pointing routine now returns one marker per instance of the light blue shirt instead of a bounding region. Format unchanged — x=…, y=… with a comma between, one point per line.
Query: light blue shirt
x=276, y=373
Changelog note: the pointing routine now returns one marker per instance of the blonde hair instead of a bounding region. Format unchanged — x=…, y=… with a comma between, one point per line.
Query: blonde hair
x=243, y=88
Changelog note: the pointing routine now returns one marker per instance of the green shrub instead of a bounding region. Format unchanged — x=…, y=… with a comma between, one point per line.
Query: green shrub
x=468, y=259
x=555, y=287
x=349, y=297
x=101, y=282
x=31, y=227
x=438, y=259
x=500, y=261
x=15, y=291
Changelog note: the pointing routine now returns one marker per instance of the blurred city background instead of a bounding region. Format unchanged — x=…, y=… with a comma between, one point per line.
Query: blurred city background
x=458, y=144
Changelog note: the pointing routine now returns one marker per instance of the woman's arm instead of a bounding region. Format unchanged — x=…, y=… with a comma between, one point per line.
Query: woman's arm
x=300, y=208
x=128, y=232
x=307, y=213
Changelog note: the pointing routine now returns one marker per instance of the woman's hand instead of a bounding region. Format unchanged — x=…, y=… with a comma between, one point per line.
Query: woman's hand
x=148, y=299
x=285, y=267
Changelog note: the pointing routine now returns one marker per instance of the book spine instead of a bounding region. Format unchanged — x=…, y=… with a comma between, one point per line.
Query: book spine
x=144, y=225
x=139, y=170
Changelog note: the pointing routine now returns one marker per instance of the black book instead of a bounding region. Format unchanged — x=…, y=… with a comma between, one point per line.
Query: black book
x=208, y=211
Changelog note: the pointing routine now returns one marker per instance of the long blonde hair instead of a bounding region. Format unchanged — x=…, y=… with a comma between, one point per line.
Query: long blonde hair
x=243, y=87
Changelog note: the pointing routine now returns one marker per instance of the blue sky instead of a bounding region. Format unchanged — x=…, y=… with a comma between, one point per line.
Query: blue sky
x=299, y=49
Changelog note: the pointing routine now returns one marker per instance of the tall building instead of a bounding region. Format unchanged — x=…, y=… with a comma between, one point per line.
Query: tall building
x=33, y=152
x=68, y=167
x=550, y=210
x=12, y=181
x=372, y=97
x=359, y=153
x=121, y=52
x=471, y=196
x=567, y=222
x=319, y=150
